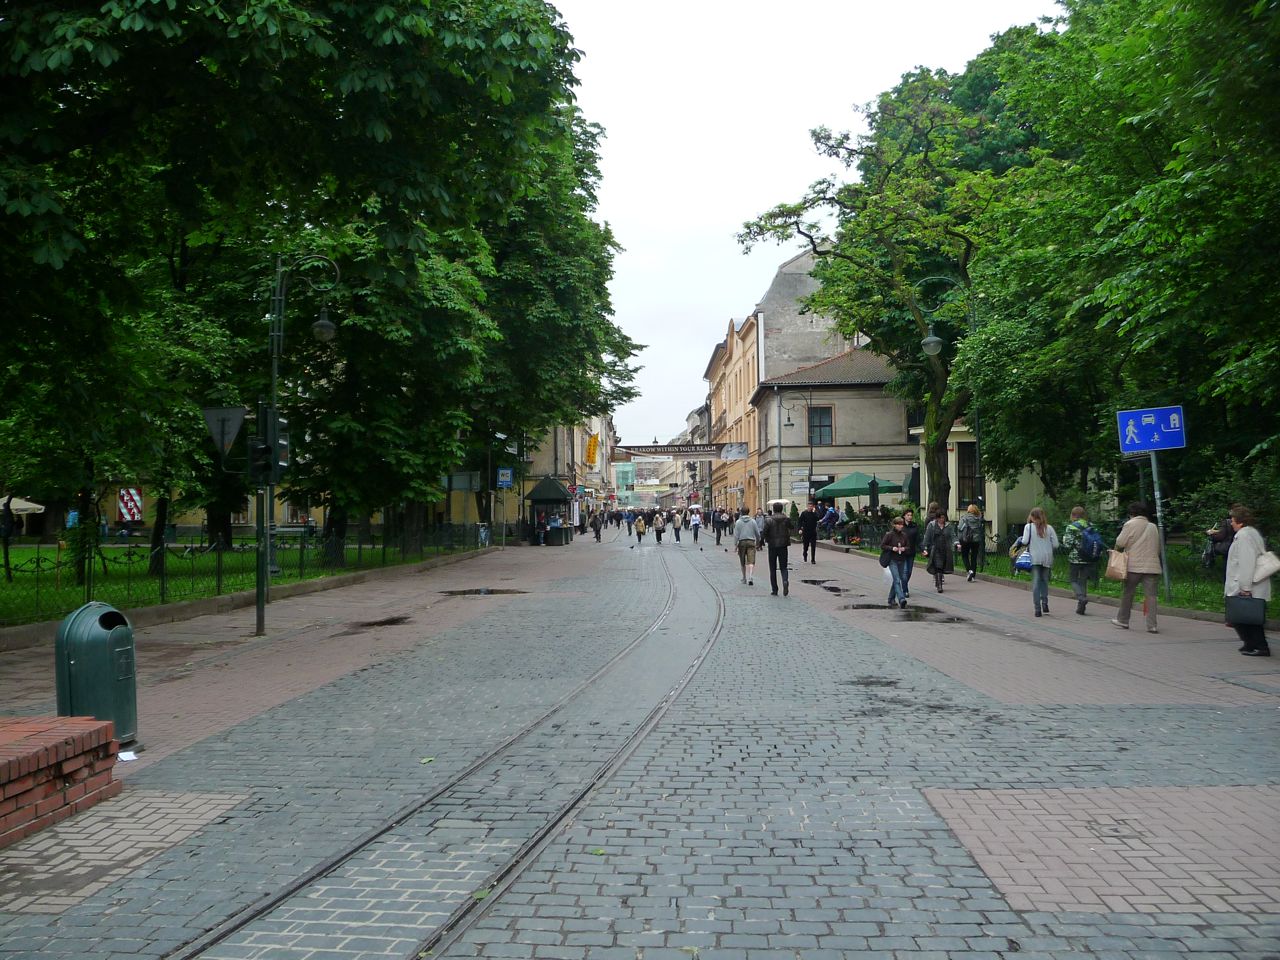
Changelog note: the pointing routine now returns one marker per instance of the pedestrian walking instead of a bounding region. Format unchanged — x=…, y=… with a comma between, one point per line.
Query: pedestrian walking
x=695, y=524
x=1139, y=540
x=1220, y=538
x=894, y=550
x=1242, y=559
x=1041, y=540
x=640, y=528
x=677, y=521
x=939, y=548
x=596, y=521
x=777, y=536
x=971, y=531
x=747, y=536
x=1073, y=539
x=809, y=533
x=630, y=518
x=659, y=526
x=912, y=532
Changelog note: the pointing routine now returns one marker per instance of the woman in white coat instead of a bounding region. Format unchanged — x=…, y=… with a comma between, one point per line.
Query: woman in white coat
x=1246, y=547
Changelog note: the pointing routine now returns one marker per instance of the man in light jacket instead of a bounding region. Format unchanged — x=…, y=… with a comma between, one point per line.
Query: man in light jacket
x=747, y=535
x=1140, y=541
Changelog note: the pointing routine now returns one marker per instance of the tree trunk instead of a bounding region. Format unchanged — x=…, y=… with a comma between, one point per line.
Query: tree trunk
x=85, y=534
x=335, y=536
x=218, y=521
x=156, y=565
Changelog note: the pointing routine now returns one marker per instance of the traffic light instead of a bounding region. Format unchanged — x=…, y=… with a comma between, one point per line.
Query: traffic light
x=259, y=461
x=269, y=447
x=278, y=442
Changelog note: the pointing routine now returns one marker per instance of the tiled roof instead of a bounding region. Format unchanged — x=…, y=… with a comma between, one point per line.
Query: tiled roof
x=856, y=366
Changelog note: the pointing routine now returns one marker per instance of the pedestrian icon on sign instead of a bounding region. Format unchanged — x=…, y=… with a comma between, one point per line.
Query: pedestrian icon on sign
x=1131, y=432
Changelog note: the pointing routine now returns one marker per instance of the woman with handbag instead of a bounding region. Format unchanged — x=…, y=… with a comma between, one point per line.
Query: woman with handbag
x=1247, y=598
x=1040, y=540
x=1140, y=541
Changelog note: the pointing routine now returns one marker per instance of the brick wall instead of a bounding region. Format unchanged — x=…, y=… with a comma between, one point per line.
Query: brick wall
x=51, y=768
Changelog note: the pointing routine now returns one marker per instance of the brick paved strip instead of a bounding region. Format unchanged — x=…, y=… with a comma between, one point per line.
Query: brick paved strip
x=1133, y=849
x=86, y=854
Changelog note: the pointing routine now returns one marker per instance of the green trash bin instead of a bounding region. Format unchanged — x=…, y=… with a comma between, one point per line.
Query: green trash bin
x=94, y=668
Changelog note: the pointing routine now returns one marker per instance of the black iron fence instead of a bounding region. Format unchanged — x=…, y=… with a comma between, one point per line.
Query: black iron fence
x=45, y=581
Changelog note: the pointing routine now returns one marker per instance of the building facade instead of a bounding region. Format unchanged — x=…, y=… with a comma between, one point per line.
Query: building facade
x=732, y=375
x=826, y=420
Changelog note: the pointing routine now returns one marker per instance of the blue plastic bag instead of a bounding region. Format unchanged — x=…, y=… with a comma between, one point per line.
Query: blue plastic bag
x=1023, y=562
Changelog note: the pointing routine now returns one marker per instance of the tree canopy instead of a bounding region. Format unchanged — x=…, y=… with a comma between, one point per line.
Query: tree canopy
x=1099, y=193
x=159, y=156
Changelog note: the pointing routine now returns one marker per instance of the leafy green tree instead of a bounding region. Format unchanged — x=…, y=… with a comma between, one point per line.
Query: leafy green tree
x=1130, y=266
x=924, y=178
x=159, y=155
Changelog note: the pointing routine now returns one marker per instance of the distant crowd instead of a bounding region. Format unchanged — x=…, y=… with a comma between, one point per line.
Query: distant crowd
x=1135, y=558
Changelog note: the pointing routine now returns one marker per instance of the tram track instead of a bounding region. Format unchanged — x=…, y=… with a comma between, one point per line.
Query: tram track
x=469, y=909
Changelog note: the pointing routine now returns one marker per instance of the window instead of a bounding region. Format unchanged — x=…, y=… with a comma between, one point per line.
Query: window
x=966, y=473
x=295, y=514
x=820, y=431
x=241, y=515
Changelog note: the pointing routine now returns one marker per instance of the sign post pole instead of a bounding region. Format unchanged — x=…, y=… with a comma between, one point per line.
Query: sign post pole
x=1146, y=431
x=1164, y=558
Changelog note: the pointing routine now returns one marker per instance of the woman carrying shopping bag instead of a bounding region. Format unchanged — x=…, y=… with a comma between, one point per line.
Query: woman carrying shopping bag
x=1040, y=540
x=1246, y=597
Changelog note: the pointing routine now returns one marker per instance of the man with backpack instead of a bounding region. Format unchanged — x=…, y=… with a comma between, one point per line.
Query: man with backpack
x=1084, y=548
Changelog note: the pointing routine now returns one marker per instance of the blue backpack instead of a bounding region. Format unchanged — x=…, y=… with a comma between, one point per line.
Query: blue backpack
x=1091, y=545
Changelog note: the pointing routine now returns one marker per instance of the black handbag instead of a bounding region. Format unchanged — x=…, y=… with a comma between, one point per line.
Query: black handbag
x=886, y=557
x=1246, y=611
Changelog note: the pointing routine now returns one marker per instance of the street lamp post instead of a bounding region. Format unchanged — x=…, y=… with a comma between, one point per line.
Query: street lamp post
x=808, y=483
x=932, y=345
x=323, y=330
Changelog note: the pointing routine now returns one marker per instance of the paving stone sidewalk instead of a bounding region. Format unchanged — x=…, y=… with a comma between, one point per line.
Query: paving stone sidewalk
x=838, y=780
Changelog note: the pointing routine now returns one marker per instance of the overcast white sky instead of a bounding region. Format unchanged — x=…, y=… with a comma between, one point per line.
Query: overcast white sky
x=707, y=107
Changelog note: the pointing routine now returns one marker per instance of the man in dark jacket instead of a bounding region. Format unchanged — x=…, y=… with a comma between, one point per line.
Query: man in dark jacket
x=777, y=535
x=809, y=532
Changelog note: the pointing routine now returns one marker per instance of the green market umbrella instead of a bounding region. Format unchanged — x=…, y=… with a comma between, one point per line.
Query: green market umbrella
x=856, y=484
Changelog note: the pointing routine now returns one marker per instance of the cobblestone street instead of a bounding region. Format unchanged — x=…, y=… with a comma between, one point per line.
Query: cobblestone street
x=633, y=755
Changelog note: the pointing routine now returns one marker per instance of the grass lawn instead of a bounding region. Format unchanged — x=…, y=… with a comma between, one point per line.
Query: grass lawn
x=43, y=585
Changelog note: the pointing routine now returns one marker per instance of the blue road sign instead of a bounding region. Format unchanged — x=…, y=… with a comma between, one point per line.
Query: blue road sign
x=1158, y=428
x=505, y=480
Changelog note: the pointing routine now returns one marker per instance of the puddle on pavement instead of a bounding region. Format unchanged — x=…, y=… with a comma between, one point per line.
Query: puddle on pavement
x=869, y=682
x=817, y=583
x=355, y=629
x=387, y=622
x=480, y=592
x=913, y=614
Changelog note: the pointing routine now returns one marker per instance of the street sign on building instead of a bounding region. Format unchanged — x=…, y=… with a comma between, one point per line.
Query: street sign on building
x=1155, y=428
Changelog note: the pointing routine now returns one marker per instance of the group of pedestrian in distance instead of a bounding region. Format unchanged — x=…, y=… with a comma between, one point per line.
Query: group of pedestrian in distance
x=1135, y=558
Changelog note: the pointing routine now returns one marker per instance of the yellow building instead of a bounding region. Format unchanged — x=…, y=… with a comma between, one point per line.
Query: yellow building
x=733, y=373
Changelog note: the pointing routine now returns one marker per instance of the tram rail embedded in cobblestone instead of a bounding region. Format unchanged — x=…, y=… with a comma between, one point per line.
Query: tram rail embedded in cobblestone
x=469, y=909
